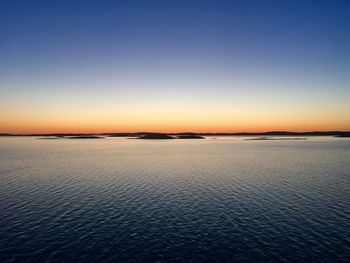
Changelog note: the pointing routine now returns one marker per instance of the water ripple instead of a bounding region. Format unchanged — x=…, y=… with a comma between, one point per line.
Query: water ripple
x=208, y=201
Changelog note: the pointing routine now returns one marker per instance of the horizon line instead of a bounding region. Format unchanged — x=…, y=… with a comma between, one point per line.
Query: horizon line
x=186, y=132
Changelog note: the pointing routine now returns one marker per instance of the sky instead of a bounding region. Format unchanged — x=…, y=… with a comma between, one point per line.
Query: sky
x=174, y=66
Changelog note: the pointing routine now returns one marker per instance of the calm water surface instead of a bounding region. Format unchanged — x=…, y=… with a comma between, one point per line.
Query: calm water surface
x=213, y=200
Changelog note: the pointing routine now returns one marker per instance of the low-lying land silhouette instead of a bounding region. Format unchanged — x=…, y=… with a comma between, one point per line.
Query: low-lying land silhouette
x=187, y=135
x=156, y=136
x=86, y=137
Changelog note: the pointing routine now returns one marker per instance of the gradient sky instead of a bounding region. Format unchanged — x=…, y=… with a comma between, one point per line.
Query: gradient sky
x=169, y=66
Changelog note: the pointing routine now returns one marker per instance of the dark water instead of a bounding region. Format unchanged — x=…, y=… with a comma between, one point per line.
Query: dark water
x=222, y=200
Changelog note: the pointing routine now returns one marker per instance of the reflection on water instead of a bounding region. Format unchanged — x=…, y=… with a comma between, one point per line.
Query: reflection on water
x=223, y=199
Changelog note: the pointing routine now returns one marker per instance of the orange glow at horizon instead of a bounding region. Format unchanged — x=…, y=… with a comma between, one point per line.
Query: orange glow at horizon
x=199, y=116
x=168, y=126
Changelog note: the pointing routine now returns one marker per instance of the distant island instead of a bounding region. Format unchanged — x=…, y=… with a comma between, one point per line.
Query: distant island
x=146, y=136
x=190, y=136
x=155, y=136
x=162, y=136
x=184, y=135
x=86, y=137
x=71, y=137
x=343, y=136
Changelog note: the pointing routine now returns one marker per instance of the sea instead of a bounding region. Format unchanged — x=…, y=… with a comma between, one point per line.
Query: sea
x=220, y=199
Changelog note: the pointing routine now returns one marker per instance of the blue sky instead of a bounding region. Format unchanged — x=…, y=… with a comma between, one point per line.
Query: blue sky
x=222, y=58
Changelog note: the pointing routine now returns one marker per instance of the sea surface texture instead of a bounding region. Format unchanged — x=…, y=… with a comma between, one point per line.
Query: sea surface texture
x=213, y=200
